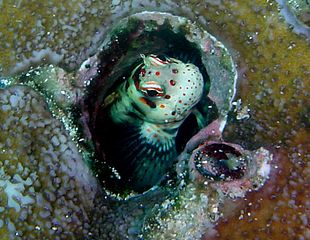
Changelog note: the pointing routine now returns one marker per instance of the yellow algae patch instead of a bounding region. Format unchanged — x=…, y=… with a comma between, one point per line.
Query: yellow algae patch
x=35, y=31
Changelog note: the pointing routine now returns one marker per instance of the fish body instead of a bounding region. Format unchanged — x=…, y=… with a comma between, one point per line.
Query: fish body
x=156, y=99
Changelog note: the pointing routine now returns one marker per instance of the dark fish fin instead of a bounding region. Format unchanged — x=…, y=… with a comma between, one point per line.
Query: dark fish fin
x=141, y=163
x=151, y=165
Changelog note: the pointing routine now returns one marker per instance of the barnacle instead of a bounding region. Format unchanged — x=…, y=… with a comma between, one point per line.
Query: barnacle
x=219, y=161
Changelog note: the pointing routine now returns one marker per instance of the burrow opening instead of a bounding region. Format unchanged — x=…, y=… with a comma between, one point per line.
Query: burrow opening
x=116, y=62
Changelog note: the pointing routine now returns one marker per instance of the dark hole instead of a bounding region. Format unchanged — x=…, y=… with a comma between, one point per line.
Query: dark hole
x=118, y=148
x=162, y=57
x=212, y=162
x=220, y=151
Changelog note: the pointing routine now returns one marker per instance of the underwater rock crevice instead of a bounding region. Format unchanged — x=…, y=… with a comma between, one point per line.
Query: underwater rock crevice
x=161, y=34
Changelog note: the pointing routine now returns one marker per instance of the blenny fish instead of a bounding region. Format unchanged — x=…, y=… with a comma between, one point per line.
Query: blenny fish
x=147, y=111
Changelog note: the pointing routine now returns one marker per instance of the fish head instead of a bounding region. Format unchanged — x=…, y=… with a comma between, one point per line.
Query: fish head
x=165, y=89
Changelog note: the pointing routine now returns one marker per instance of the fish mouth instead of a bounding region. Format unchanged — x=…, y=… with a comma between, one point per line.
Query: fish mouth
x=177, y=38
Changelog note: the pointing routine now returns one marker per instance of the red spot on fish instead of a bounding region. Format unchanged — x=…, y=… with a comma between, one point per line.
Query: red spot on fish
x=157, y=73
x=167, y=96
x=172, y=82
x=180, y=101
x=162, y=106
x=142, y=72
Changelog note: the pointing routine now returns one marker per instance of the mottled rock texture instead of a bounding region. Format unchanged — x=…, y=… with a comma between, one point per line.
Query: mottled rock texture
x=273, y=65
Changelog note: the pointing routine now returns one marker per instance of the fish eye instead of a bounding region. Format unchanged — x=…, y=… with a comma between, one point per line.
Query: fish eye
x=152, y=93
x=152, y=89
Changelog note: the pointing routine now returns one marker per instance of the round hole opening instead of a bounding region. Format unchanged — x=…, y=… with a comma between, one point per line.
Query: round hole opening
x=220, y=162
x=128, y=161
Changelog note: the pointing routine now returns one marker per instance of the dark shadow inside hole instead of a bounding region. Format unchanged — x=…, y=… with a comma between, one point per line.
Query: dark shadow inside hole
x=113, y=143
x=190, y=127
x=215, y=161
